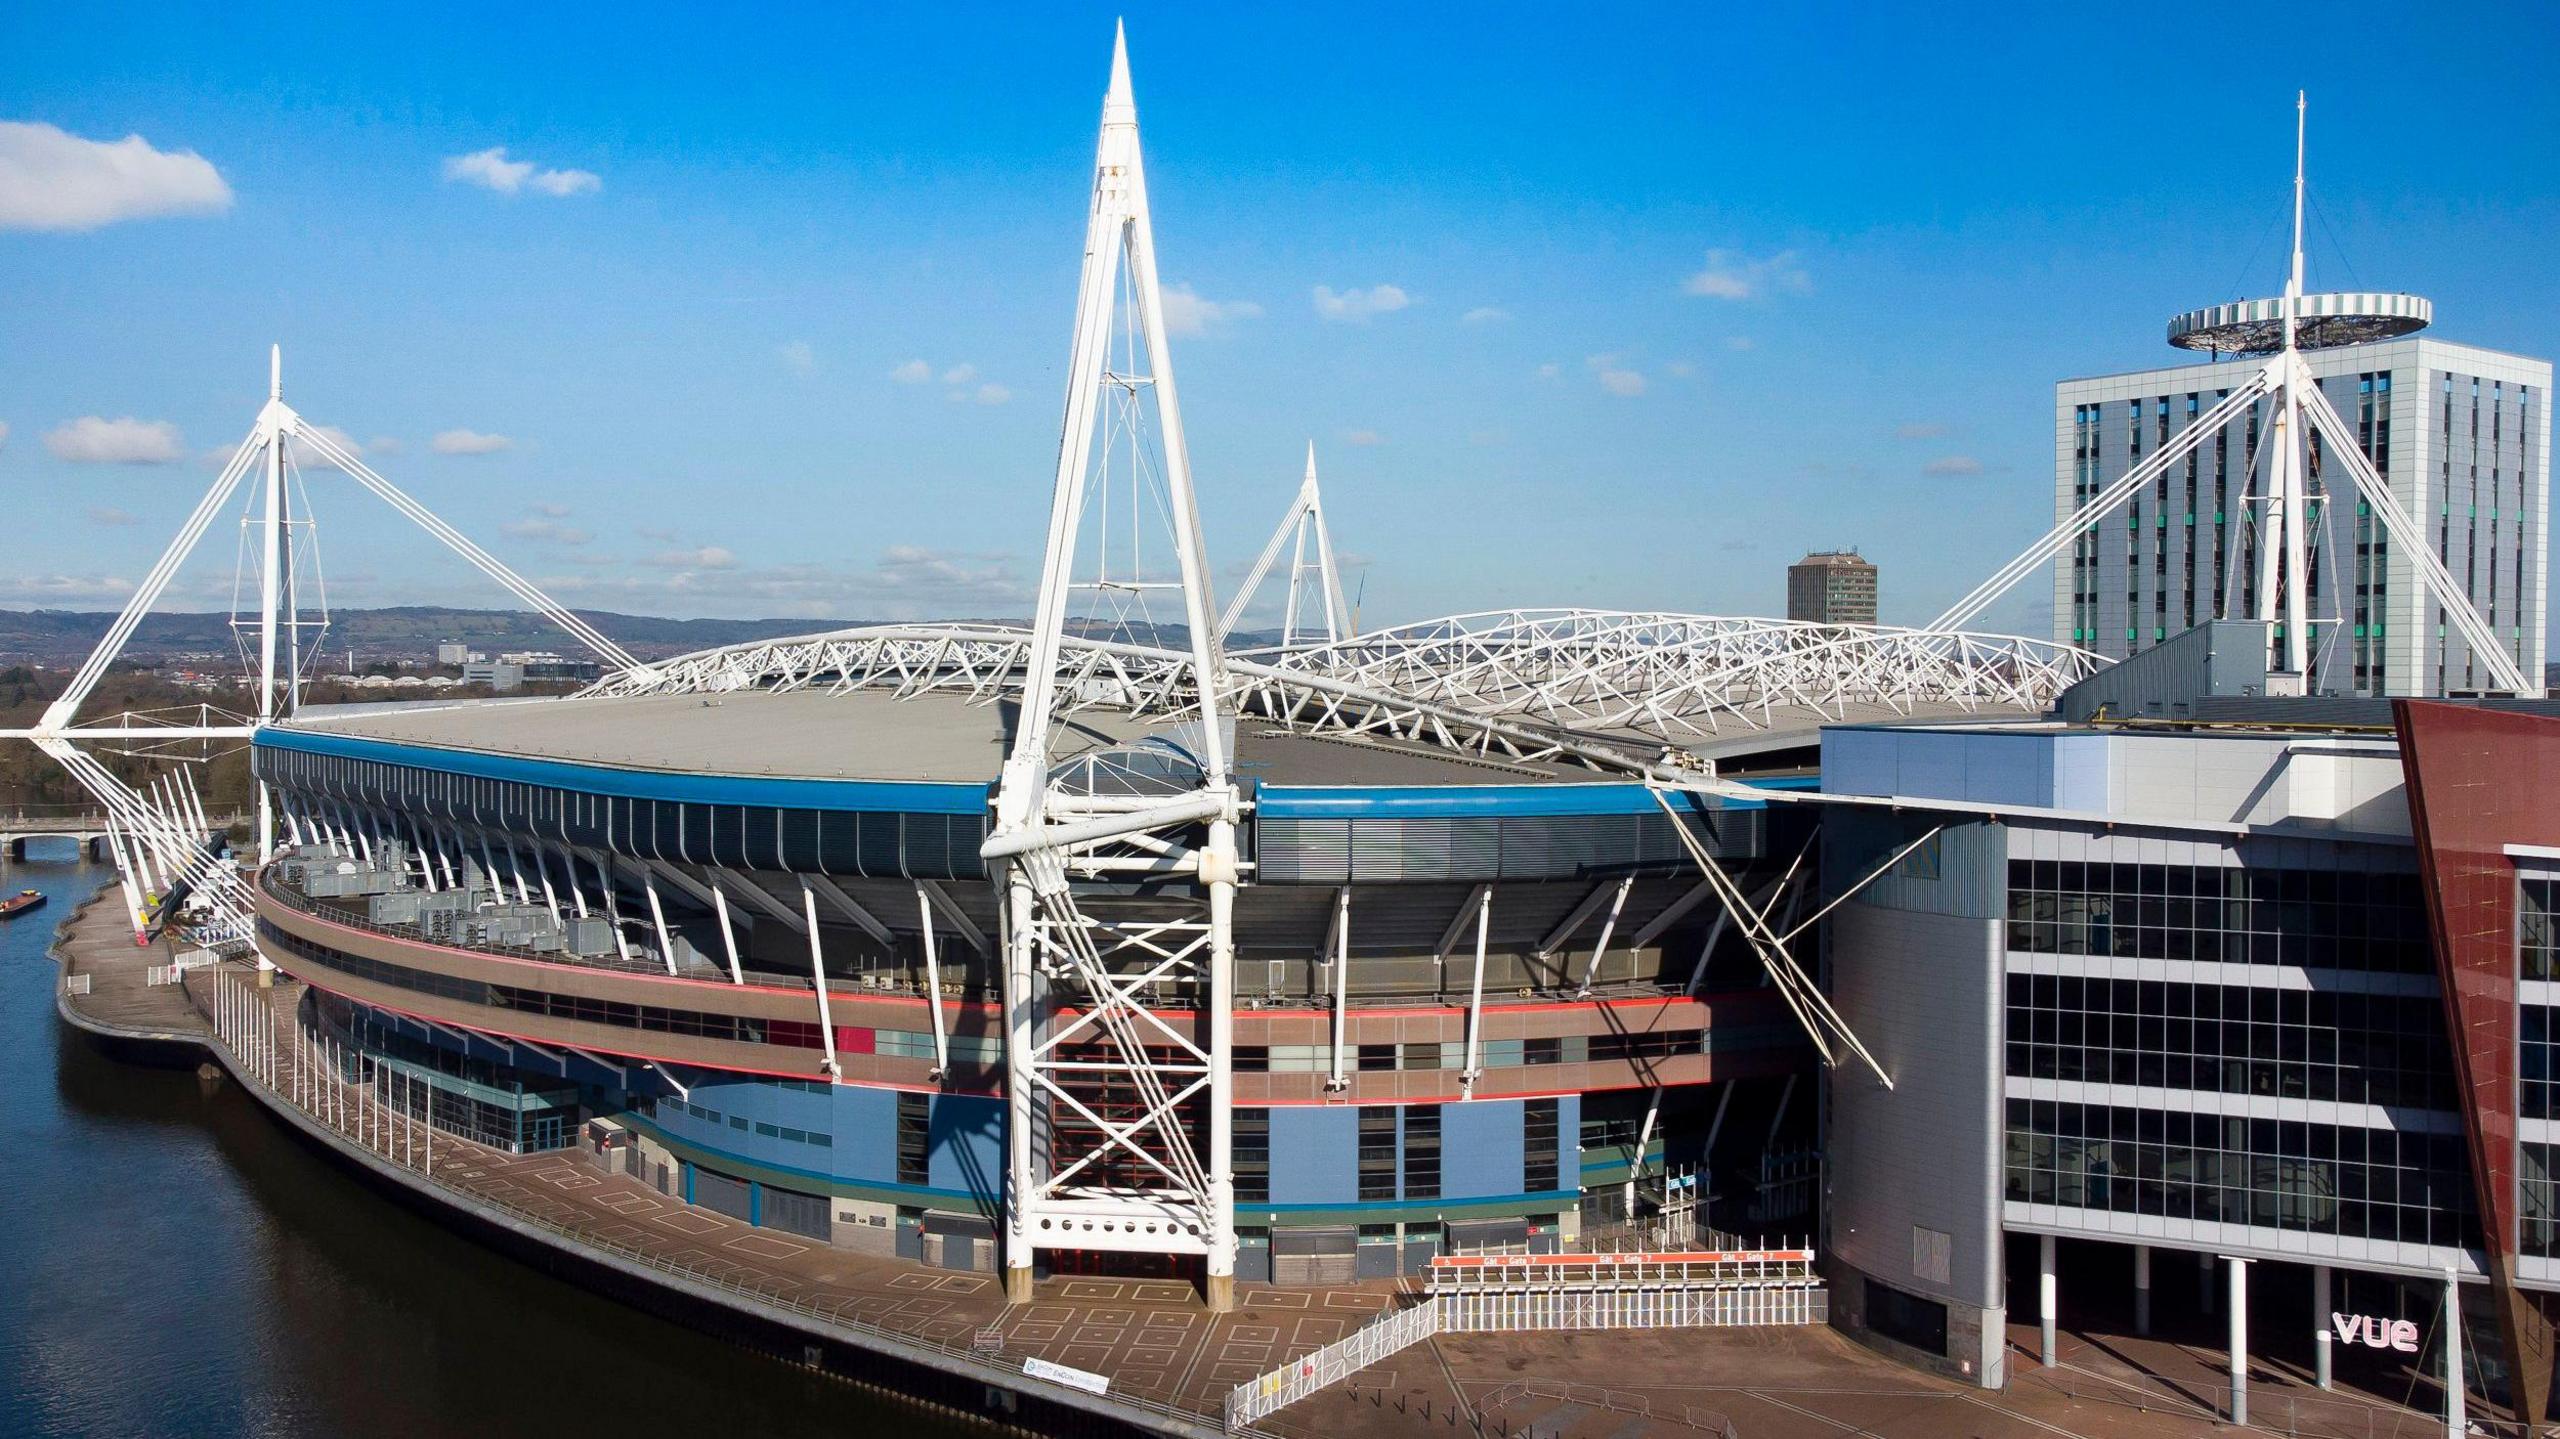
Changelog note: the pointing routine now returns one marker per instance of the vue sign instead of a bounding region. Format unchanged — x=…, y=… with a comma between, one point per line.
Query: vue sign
x=2399, y=1334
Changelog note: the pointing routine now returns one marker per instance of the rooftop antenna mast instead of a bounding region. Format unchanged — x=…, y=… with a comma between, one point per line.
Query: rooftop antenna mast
x=2284, y=539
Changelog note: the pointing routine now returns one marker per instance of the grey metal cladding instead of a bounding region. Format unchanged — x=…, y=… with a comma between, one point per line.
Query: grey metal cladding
x=1413, y=850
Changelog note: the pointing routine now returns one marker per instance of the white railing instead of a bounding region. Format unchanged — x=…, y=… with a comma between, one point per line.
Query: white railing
x=1390, y=1333
x=1709, y=1289
x=1747, y=1305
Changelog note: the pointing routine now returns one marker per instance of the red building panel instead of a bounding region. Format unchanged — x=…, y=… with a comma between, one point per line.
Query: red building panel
x=2479, y=781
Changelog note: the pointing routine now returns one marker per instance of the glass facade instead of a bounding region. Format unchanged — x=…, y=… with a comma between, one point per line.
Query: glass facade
x=2274, y=1174
x=2230, y=1039
x=2312, y=919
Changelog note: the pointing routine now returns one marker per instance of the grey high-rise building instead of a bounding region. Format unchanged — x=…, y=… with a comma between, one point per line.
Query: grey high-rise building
x=1832, y=587
x=2462, y=434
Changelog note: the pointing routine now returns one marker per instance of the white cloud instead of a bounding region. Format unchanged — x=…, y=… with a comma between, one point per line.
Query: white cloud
x=568, y=182
x=1955, y=465
x=66, y=589
x=384, y=444
x=468, y=442
x=1550, y=370
x=800, y=356
x=993, y=394
x=709, y=557
x=110, y=515
x=1614, y=375
x=1919, y=430
x=490, y=169
x=1357, y=304
x=543, y=527
x=1733, y=275
x=50, y=180
x=905, y=583
x=1680, y=370
x=91, y=440
x=1363, y=437
x=1185, y=313
x=913, y=372
x=1740, y=343
x=960, y=374
x=1485, y=315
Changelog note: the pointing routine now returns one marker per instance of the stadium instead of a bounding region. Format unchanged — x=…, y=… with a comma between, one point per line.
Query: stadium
x=1125, y=942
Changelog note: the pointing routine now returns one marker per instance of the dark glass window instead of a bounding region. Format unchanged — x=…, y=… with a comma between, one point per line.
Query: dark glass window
x=1422, y=1151
x=915, y=1138
x=1378, y=1152
x=1541, y=1166
x=1252, y=1156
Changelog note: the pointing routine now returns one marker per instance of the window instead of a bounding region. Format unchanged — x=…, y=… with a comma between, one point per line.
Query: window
x=1252, y=1156
x=1422, y=1152
x=915, y=1138
x=1377, y=1056
x=1378, y=1152
x=1541, y=1166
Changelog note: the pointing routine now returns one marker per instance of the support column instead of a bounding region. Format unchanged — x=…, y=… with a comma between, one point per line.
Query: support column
x=2322, y=1332
x=1020, y=942
x=2048, y=1296
x=2142, y=1289
x=2239, y=1271
x=2456, y=1398
x=1218, y=867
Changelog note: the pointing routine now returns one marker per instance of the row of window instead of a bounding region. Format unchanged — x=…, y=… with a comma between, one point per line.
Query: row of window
x=1448, y=1054
x=880, y=844
x=2276, y=1174
x=815, y=1138
x=2314, y=919
x=2233, y=1039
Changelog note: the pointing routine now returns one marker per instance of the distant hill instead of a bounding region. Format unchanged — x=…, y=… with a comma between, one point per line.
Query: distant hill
x=414, y=631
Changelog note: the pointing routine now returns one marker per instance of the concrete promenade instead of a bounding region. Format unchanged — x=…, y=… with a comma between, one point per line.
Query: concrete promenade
x=1171, y=1364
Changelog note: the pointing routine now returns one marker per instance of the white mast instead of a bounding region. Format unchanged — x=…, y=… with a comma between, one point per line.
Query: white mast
x=1149, y=1185
x=274, y=545
x=2284, y=539
x=1305, y=513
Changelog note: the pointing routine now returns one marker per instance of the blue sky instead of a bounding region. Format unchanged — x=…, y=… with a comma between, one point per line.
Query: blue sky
x=1688, y=290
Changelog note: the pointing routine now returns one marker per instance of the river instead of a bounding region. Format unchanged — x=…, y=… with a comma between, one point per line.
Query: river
x=172, y=1263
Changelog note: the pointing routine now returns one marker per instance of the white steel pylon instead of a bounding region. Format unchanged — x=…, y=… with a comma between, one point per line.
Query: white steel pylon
x=1120, y=1126
x=161, y=835
x=2298, y=410
x=1306, y=513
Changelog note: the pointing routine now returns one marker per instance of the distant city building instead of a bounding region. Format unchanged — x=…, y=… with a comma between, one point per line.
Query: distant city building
x=454, y=654
x=2463, y=435
x=1832, y=587
x=513, y=671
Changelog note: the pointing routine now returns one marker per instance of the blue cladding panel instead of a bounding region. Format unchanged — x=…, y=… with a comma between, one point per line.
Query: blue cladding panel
x=1480, y=1149
x=967, y=1135
x=866, y=1123
x=1315, y=1155
x=2080, y=773
x=1922, y=764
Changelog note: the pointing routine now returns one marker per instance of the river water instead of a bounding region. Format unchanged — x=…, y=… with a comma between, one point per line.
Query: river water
x=173, y=1263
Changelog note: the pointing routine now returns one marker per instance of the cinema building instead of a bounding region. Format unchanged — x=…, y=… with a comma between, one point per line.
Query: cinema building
x=2167, y=986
